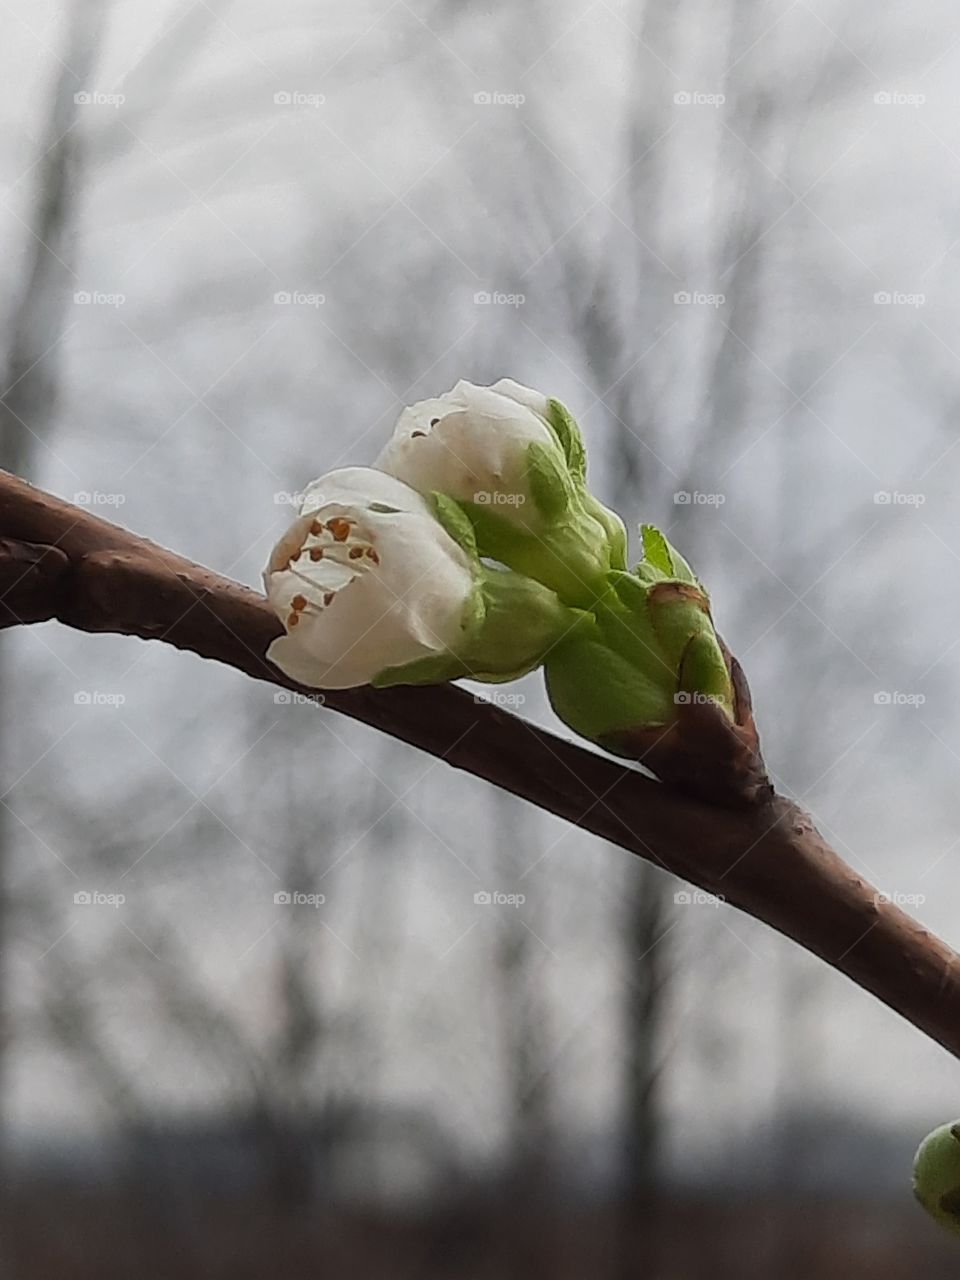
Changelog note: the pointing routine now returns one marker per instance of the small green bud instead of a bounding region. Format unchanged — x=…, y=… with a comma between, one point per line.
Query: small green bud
x=651, y=651
x=646, y=676
x=936, y=1175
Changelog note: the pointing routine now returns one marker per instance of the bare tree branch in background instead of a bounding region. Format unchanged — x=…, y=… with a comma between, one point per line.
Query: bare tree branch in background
x=31, y=376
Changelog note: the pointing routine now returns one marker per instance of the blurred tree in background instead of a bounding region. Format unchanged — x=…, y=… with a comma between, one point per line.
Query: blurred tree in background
x=238, y=242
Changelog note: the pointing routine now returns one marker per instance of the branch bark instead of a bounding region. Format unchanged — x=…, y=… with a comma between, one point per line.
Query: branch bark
x=60, y=562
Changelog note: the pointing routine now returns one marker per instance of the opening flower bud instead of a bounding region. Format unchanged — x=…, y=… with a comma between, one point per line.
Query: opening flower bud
x=372, y=587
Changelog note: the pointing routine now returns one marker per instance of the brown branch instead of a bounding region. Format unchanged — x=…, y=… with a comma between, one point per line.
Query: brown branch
x=59, y=562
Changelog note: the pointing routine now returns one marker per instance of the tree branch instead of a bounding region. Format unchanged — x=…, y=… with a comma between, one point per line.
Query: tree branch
x=59, y=562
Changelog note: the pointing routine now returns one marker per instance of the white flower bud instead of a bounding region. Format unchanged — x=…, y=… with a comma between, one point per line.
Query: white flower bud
x=472, y=443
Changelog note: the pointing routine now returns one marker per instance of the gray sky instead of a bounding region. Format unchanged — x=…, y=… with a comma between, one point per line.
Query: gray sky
x=383, y=187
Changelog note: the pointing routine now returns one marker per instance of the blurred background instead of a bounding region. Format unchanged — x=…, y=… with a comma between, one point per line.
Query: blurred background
x=254, y=1015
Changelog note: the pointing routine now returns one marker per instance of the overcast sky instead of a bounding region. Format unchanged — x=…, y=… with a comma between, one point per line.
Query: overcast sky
x=348, y=163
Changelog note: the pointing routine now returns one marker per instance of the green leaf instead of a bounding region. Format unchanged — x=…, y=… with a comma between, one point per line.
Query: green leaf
x=656, y=550
x=567, y=431
x=662, y=558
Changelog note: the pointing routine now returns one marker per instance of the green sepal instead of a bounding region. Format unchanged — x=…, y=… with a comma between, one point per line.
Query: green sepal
x=665, y=627
x=456, y=522
x=496, y=536
x=565, y=428
x=597, y=691
x=549, y=480
x=436, y=669
x=616, y=530
x=509, y=624
x=703, y=670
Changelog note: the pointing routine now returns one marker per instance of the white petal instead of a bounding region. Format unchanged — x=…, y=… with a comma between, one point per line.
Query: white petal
x=470, y=443
x=365, y=487
x=516, y=391
x=385, y=584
